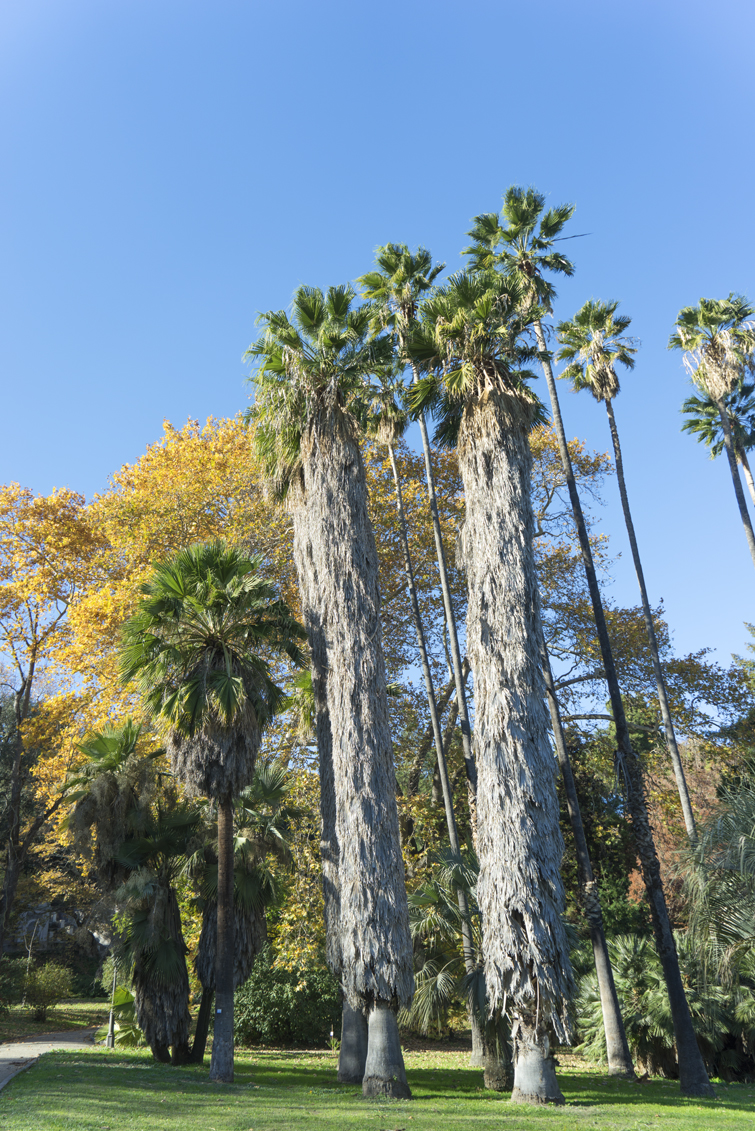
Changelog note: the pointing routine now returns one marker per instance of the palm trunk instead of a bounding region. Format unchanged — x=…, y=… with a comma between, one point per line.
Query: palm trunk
x=617, y=1046
x=453, y=836
x=415, y=770
x=660, y=682
x=731, y=455
x=742, y=457
x=384, y=1073
x=203, y=1025
x=354, y=1039
x=534, y=1067
x=692, y=1074
x=221, y=1065
x=461, y=694
x=520, y=891
x=337, y=566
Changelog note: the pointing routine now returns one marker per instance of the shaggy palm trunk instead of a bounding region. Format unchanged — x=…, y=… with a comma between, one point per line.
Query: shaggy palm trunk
x=742, y=457
x=520, y=891
x=162, y=1007
x=221, y=1065
x=660, y=682
x=731, y=455
x=617, y=1046
x=461, y=693
x=337, y=566
x=453, y=836
x=692, y=1074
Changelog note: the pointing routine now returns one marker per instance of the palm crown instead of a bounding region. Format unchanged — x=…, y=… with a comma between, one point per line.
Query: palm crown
x=521, y=240
x=717, y=340
x=318, y=360
x=593, y=345
x=192, y=647
x=470, y=338
x=397, y=286
x=704, y=420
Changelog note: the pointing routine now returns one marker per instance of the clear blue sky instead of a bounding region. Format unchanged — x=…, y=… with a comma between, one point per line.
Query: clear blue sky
x=171, y=167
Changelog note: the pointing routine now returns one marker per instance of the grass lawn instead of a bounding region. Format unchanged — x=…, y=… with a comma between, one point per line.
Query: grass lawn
x=278, y=1091
x=18, y=1023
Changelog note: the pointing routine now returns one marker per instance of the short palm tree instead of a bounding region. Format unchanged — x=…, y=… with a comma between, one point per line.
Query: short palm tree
x=470, y=340
x=195, y=648
x=522, y=242
x=718, y=338
x=592, y=345
x=704, y=422
x=310, y=404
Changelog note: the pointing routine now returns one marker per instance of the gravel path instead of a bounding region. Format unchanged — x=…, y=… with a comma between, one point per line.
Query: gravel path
x=15, y=1056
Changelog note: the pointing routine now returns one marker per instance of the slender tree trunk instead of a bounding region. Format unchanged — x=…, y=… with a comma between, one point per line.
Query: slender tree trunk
x=731, y=455
x=354, y=1039
x=384, y=1072
x=520, y=891
x=203, y=1025
x=470, y=958
x=415, y=770
x=221, y=1065
x=461, y=694
x=692, y=1074
x=617, y=1046
x=337, y=566
x=742, y=457
x=660, y=682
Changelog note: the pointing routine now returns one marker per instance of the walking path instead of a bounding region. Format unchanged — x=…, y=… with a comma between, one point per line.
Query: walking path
x=15, y=1056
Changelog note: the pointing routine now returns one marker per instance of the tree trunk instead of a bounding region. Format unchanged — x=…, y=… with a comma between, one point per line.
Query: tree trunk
x=461, y=694
x=384, y=1073
x=221, y=1064
x=519, y=891
x=692, y=1074
x=203, y=1026
x=353, y=1053
x=731, y=455
x=534, y=1068
x=660, y=682
x=617, y=1046
x=415, y=770
x=337, y=566
x=742, y=457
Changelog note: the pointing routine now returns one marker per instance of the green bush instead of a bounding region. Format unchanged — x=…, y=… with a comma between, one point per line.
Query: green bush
x=286, y=1007
x=12, y=974
x=45, y=986
x=126, y=1031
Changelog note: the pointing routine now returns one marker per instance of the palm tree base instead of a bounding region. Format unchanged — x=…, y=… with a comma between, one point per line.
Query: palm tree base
x=384, y=1072
x=353, y=1053
x=534, y=1069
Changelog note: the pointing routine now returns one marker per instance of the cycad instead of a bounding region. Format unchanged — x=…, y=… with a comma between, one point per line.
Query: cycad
x=593, y=343
x=718, y=340
x=196, y=649
x=312, y=398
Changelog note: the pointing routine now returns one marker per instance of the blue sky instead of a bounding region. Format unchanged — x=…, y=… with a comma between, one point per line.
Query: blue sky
x=173, y=167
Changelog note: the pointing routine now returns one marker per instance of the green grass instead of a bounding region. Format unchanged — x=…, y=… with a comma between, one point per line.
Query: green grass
x=18, y=1023
x=283, y=1091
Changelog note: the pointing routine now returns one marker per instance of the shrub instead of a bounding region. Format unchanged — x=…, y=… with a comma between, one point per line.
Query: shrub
x=12, y=974
x=45, y=986
x=126, y=1031
x=286, y=1007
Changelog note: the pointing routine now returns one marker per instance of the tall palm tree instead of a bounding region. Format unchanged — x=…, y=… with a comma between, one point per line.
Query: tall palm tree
x=593, y=344
x=704, y=421
x=310, y=404
x=717, y=340
x=523, y=244
x=469, y=339
x=193, y=648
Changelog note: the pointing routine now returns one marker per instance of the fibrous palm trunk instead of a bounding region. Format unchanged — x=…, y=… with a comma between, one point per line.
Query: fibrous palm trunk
x=520, y=891
x=337, y=566
x=660, y=682
x=470, y=957
x=731, y=456
x=161, y=1005
x=692, y=1074
x=617, y=1046
x=221, y=1065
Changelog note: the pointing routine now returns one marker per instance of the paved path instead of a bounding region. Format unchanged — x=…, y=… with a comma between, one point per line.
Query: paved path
x=15, y=1056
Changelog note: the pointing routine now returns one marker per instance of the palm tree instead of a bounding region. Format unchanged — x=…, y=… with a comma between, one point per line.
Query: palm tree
x=593, y=345
x=309, y=406
x=717, y=340
x=136, y=856
x=524, y=245
x=193, y=649
x=704, y=421
x=469, y=339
